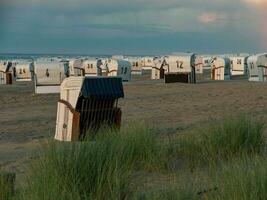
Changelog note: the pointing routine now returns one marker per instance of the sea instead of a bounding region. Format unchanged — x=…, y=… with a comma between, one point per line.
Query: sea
x=12, y=56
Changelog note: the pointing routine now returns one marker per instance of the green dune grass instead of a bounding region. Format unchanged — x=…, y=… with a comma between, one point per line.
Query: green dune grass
x=225, y=160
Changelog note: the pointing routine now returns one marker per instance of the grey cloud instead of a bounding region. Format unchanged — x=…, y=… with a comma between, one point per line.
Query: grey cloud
x=99, y=21
x=106, y=6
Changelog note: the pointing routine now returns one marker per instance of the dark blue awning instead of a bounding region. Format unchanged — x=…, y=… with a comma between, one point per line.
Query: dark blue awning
x=102, y=88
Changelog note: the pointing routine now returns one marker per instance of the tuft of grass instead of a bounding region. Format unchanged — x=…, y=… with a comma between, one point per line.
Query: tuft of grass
x=6, y=185
x=244, y=178
x=93, y=169
x=223, y=140
x=4, y=191
x=111, y=164
x=173, y=192
x=241, y=178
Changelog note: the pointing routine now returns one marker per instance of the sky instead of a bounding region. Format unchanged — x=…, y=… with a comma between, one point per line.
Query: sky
x=133, y=27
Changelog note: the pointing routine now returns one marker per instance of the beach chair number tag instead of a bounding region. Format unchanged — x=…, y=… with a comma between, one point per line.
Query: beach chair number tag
x=180, y=64
x=65, y=126
x=47, y=73
x=22, y=71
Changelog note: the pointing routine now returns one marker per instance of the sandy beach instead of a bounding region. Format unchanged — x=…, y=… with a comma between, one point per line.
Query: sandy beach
x=28, y=119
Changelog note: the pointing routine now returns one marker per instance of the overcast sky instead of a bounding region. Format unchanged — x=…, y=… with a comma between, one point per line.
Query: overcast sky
x=132, y=26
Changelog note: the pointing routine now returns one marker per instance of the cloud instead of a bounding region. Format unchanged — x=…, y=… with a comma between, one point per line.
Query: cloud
x=256, y=2
x=211, y=17
x=258, y=10
x=101, y=20
x=106, y=6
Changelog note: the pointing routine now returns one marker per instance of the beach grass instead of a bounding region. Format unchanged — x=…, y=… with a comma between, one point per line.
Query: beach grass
x=224, y=160
x=93, y=169
x=222, y=140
